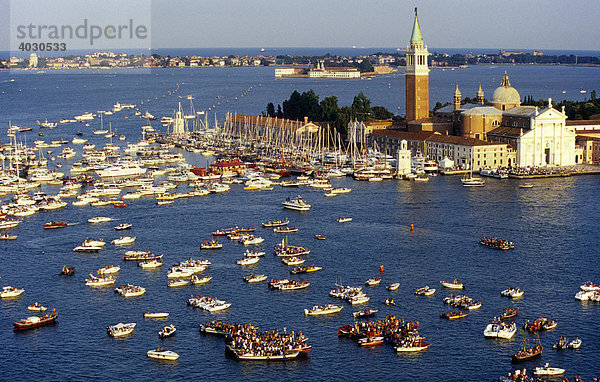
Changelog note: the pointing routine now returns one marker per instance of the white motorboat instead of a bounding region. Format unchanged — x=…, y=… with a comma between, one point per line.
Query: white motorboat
x=252, y=240
x=101, y=281
x=512, y=292
x=109, y=270
x=87, y=248
x=37, y=307
x=318, y=310
x=130, y=290
x=99, y=219
x=124, y=240
x=374, y=281
x=344, y=219
x=248, y=261
x=473, y=182
x=359, y=300
x=342, y=190
x=298, y=204
x=452, y=285
x=497, y=329
x=156, y=315
x=121, y=170
x=179, y=272
x=167, y=331
x=590, y=286
x=198, y=280
x=393, y=286
x=177, y=283
x=8, y=292
x=255, y=278
x=161, y=353
x=150, y=264
x=120, y=329
x=548, y=370
x=294, y=260
x=583, y=295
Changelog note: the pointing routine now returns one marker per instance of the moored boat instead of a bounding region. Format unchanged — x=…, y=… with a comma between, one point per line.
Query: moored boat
x=453, y=315
x=198, y=280
x=37, y=307
x=318, y=310
x=452, y=284
x=548, y=370
x=425, y=291
x=298, y=204
x=371, y=341
x=35, y=321
x=120, y=329
x=156, y=315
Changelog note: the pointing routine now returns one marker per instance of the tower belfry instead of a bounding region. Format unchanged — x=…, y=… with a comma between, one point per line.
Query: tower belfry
x=417, y=75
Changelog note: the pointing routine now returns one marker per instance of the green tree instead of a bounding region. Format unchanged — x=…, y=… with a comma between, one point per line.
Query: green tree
x=329, y=109
x=361, y=107
x=380, y=112
x=270, y=109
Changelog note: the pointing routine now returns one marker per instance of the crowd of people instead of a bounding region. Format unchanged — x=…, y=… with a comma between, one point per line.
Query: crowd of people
x=267, y=343
x=393, y=329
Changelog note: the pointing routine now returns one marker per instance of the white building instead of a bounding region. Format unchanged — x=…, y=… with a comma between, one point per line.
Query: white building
x=33, y=60
x=403, y=159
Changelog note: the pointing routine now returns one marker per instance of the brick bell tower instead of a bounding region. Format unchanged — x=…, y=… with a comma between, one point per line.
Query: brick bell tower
x=417, y=76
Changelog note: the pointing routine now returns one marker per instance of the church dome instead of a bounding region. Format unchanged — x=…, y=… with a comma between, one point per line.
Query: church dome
x=506, y=94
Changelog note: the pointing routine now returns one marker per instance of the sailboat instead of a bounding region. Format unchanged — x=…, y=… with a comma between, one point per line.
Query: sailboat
x=470, y=181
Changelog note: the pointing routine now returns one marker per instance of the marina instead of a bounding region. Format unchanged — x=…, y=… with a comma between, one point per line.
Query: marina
x=379, y=234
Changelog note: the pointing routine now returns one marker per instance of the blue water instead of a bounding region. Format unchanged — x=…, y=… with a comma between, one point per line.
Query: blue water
x=552, y=225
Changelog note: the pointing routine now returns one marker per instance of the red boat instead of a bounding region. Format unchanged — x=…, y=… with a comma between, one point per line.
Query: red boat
x=35, y=321
x=509, y=313
x=51, y=225
x=120, y=205
x=370, y=341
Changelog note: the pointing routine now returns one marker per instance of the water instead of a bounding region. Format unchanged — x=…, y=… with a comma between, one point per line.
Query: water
x=552, y=225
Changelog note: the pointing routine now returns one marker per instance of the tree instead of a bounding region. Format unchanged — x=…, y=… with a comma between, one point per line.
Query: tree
x=329, y=109
x=380, y=112
x=270, y=109
x=279, y=111
x=361, y=107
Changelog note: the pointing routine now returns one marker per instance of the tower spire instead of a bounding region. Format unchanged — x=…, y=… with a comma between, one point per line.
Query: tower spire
x=480, y=96
x=457, y=98
x=416, y=35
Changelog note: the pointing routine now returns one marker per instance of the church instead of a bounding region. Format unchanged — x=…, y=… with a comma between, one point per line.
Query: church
x=533, y=136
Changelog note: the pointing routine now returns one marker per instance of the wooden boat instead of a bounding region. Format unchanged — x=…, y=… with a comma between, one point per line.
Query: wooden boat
x=67, y=271
x=318, y=310
x=453, y=315
x=35, y=321
x=211, y=245
x=320, y=237
x=156, y=315
x=508, y=313
x=284, y=229
x=275, y=223
x=163, y=354
x=452, y=284
x=364, y=313
x=242, y=356
x=526, y=353
x=53, y=224
x=6, y=236
x=393, y=286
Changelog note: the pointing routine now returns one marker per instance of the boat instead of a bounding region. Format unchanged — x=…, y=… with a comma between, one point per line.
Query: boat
x=101, y=281
x=320, y=237
x=6, y=236
x=178, y=272
x=109, y=270
x=37, y=307
x=575, y=344
x=250, y=356
x=255, y=278
x=508, y=313
x=124, y=240
x=590, y=287
x=140, y=256
x=8, y=223
x=122, y=170
x=425, y=291
x=150, y=264
x=512, y=292
x=8, y=292
x=67, y=271
x=248, y=261
x=453, y=315
x=542, y=323
x=87, y=248
x=389, y=301
x=344, y=219
x=167, y=331
x=318, y=310
x=252, y=240
x=527, y=353
x=294, y=260
x=212, y=244
x=412, y=344
x=120, y=329
x=198, y=280
x=130, y=290
x=35, y=321
x=496, y=243
x=99, y=219
x=452, y=284
x=371, y=341
x=526, y=185
x=498, y=329
x=364, y=313
x=374, y=281
x=53, y=224
x=285, y=229
x=123, y=226
x=473, y=182
x=356, y=300
x=308, y=269
x=156, y=315
x=177, y=283
x=275, y=223
x=298, y=204
x=548, y=370
x=393, y=286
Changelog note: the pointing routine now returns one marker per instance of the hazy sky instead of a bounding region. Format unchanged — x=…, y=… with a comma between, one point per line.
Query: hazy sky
x=508, y=24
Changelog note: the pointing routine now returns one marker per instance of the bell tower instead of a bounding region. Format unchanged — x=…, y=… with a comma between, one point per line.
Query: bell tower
x=417, y=75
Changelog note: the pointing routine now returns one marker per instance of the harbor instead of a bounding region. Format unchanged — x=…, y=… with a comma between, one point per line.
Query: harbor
x=405, y=232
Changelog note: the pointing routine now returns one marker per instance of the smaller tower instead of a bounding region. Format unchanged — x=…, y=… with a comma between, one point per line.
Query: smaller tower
x=457, y=98
x=480, y=96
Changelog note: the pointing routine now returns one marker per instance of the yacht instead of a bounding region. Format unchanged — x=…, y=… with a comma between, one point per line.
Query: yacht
x=298, y=204
x=9, y=291
x=124, y=169
x=120, y=329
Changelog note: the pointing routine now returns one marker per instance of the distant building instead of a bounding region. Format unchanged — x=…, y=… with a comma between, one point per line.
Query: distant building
x=288, y=71
x=33, y=60
x=333, y=72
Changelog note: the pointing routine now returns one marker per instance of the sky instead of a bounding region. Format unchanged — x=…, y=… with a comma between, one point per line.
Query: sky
x=505, y=24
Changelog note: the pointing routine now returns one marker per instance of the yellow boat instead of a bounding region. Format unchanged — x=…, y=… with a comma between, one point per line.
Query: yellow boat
x=312, y=268
x=251, y=188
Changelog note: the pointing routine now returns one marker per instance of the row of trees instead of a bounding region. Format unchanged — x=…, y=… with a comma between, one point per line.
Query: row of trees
x=575, y=110
x=328, y=110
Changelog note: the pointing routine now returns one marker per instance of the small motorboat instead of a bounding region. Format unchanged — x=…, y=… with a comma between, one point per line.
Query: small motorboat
x=320, y=237
x=452, y=284
x=53, y=224
x=344, y=219
x=370, y=341
x=123, y=226
x=163, y=354
x=150, y=264
x=156, y=315
x=425, y=291
x=99, y=219
x=124, y=240
x=453, y=315
x=318, y=310
x=67, y=271
x=389, y=301
x=526, y=185
x=120, y=329
x=255, y=278
x=198, y=280
x=575, y=344
x=374, y=281
x=37, y=307
x=248, y=261
x=167, y=331
x=364, y=313
x=6, y=236
x=393, y=286
x=548, y=370
x=8, y=292
x=177, y=283
x=212, y=244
